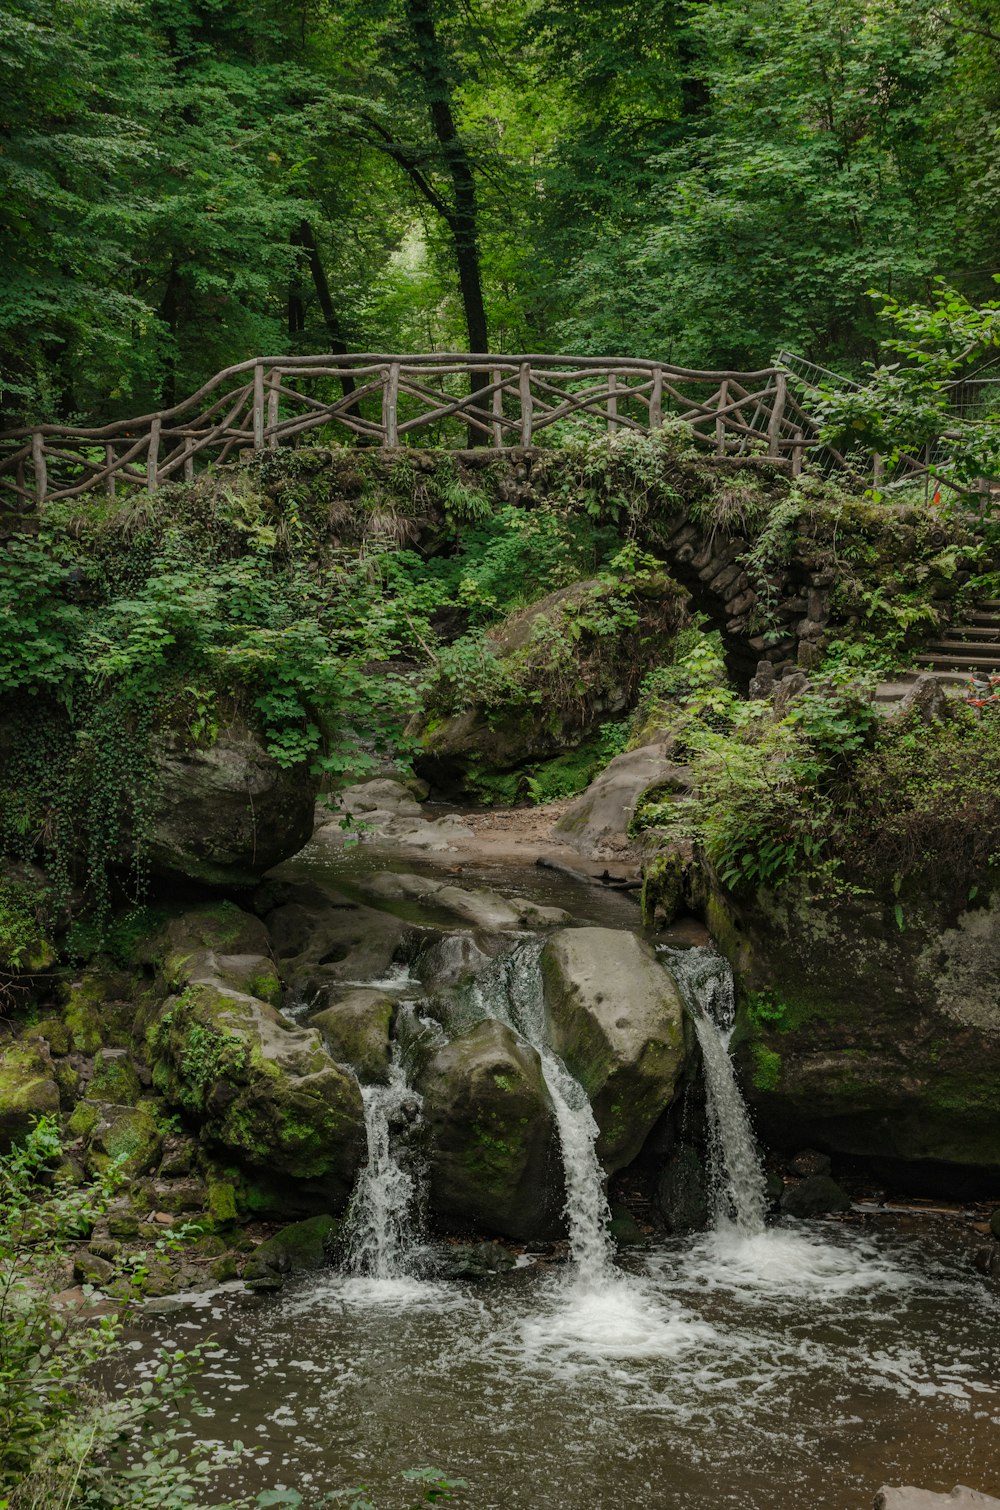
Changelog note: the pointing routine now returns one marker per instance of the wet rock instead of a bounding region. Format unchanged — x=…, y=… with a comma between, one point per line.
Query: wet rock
x=894, y=1054
x=482, y=908
x=388, y=886
x=960, y=1498
x=774, y=1189
x=995, y=1224
x=476, y=1261
x=492, y=1146
x=616, y=1017
x=624, y=1228
x=809, y=1162
x=267, y=1092
x=299, y=1248
x=599, y=819
x=319, y=937
x=356, y=1027
x=125, y=1137
x=682, y=1191
x=817, y=1195
x=456, y=958
x=28, y=1089
x=226, y=814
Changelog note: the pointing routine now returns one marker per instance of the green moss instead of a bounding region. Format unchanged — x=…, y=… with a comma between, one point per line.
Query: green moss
x=767, y=1068
x=115, y=1079
x=86, y=1115
x=221, y=1204
x=83, y=1014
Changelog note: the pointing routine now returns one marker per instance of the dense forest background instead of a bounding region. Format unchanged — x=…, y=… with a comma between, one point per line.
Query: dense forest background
x=186, y=183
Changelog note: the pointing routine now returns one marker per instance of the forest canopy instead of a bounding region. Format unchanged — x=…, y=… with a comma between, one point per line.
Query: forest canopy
x=187, y=183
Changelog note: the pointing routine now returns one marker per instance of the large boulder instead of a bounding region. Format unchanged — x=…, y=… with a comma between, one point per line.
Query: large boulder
x=617, y=1019
x=563, y=665
x=300, y=1248
x=319, y=937
x=357, y=1029
x=224, y=815
x=28, y=1089
x=266, y=1092
x=492, y=1151
x=861, y=1037
x=597, y=822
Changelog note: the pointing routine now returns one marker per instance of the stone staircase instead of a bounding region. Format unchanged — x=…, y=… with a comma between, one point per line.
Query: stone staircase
x=968, y=649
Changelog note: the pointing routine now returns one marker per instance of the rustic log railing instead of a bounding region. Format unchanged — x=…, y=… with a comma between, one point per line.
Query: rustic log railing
x=391, y=400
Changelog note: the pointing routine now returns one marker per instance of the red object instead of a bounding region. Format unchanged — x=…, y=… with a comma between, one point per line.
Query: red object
x=937, y=495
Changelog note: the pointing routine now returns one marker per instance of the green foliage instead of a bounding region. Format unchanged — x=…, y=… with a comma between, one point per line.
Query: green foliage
x=64, y=1441
x=908, y=405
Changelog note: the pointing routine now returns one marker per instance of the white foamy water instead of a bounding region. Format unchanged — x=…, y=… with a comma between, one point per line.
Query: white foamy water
x=511, y=992
x=380, y=1223
x=737, y=1178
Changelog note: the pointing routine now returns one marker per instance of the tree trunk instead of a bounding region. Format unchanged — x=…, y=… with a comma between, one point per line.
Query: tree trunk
x=334, y=329
x=463, y=215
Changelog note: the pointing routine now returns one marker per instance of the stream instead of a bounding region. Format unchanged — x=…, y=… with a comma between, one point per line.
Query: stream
x=746, y=1366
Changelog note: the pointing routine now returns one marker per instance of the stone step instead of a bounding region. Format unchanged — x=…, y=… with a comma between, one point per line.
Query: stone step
x=968, y=632
x=947, y=660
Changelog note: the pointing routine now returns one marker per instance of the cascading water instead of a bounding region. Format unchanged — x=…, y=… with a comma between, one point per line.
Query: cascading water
x=706, y=983
x=380, y=1221
x=511, y=991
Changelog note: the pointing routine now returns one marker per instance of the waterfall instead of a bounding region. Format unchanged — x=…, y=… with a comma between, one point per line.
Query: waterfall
x=737, y=1179
x=380, y=1222
x=510, y=990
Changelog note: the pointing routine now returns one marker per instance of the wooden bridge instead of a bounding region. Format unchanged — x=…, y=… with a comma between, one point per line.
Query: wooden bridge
x=437, y=399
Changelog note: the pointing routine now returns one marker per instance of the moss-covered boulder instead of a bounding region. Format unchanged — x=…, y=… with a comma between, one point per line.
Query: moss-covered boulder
x=617, y=1019
x=124, y=1137
x=224, y=815
x=356, y=1027
x=265, y=1091
x=860, y=1036
x=560, y=667
x=28, y=1089
x=492, y=1144
x=115, y=1078
x=216, y=940
x=96, y=1012
x=299, y=1248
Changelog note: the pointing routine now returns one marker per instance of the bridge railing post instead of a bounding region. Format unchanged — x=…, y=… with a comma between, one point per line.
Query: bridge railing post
x=109, y=462
x=153, y=456
x=273, y=384
x=524, y=392
x=612, y=403
x=720, y=419
x=777, y=415
x=39, y=464
x=258, y=405
x=497, y=406
x=656, y=400
x=390, y=404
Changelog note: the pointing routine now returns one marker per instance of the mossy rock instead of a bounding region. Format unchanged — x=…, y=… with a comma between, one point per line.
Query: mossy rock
x=867, y=1039
x=96, y=1011
x=492, y=1145
x=299, y=1248
x=357, y=1028
x=617, y=1018
x=115, y=1079
x=259, y=1087
x=126, y=1138
x=28, y=1089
